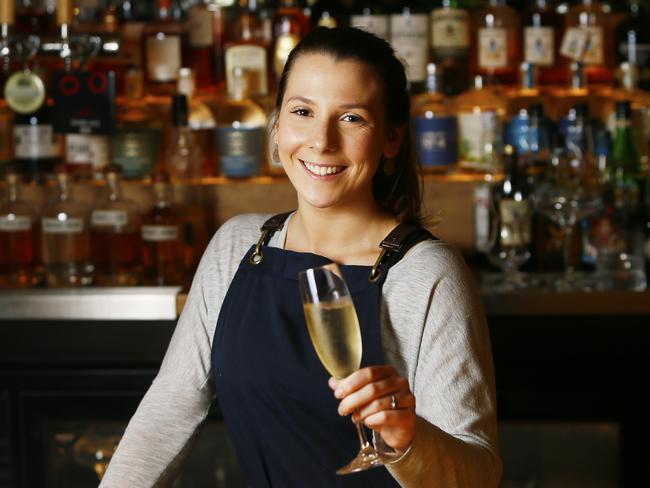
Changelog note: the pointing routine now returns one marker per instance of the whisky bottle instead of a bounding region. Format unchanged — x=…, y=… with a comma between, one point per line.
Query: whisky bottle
x=241, y=125
x=183, y=157
x=201, y=54
x=435, y=128
x=135, y=142
x=450, y=34
x=371, y=16
x=65, y=242
x=162, y=246
x=289, y=26
x=542, y=37
x=162, y=49
x=497, y=41
x=480, y=113
x=409, y=36
x=18, y=237
x=115, y=235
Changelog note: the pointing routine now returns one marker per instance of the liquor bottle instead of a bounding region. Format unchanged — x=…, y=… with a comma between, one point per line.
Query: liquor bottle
x=542, y=38
x=409, y=36
x=7, y=19
x=201, y=53
x=372, y=17
x=18, y=237
x=289, y=26
x=162, y=247
x=135, y=142
x=183, y=157
x=480, y=112
x=201, y=122
x=632, y=38
x=241, y=127
x=6, y=136
x=328, y=13
x=435, y=127
x=86, y=155
x=115, y=236
x=162, y=49
x=589, y=17
x=529, y=132
x=450, y=34
x=625, y=171
x=528, y=92
x=65, y=242
x=497, y=41
x=578, y=129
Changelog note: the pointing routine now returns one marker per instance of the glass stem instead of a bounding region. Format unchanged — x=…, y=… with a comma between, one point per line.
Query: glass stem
x=568, y=240
x=362, y=435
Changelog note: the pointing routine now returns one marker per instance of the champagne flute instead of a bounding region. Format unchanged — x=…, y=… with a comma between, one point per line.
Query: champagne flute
x=334, y=330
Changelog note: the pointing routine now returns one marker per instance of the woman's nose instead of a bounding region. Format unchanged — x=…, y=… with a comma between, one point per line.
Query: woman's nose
x=323, y=136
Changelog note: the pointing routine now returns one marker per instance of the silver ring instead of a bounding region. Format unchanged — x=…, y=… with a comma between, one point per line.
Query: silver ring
x=393, y=402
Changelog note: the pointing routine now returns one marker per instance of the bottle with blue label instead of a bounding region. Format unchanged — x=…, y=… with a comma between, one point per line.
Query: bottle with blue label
x=579, y=128
x=435, y=128
x=241, y=127
x=529, y=132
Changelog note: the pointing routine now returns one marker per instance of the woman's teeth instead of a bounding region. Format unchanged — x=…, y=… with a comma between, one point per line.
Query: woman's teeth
x=323, y=170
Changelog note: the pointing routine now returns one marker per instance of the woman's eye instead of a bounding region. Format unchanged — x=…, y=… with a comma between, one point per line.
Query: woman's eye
x=302, y=112
x=352, y=118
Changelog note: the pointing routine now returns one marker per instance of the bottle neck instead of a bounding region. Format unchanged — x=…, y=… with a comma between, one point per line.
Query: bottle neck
x=114, y=188
x=162, y=195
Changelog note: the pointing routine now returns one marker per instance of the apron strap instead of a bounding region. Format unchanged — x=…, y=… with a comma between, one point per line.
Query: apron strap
x=269, y=228
x=395, y=246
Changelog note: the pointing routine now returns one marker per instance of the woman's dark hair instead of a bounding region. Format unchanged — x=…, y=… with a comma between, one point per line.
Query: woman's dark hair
x=398, y=191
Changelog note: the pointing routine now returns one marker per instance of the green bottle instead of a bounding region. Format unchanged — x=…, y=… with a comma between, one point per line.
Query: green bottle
x=625, y=171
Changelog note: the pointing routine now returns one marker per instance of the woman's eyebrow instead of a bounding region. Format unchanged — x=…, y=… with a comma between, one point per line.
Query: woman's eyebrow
x=346, y=106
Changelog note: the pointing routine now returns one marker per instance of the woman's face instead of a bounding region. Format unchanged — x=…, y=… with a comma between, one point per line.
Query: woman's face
x=332, y=132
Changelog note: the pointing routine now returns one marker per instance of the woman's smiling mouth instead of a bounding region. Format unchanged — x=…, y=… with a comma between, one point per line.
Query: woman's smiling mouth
x=319, y=170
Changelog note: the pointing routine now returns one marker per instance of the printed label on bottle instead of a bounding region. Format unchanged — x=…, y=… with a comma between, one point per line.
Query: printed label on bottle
x=479, y=135
x=15, y=223
x=200, y=27
x=436, y=140
x=160, y=233
x=284, y=44
x=493, y=48
x=515, y=228
x=163, y=57
x=135, y=152
x=252, y=59
x=109, y=218
x=574, y=43
x=594, y=53
x=24, y=92
x=376, y=24
x=87, y=149
x=450, y=31
x=409, y=38
x=482, y=217
x=240, y=151
x=539, y=46
x=36, y=142
x=523, y=135
x=70, y=225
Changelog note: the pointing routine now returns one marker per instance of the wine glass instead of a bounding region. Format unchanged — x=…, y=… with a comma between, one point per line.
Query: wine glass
x=570, y=193
x=334, y=331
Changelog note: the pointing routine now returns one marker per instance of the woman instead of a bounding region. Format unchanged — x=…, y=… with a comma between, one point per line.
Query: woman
x=426, y=384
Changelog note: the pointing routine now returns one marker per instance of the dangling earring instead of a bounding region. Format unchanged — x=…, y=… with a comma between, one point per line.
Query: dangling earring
x=389, y=167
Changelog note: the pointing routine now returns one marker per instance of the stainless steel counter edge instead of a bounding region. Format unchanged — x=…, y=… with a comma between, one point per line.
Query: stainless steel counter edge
x=124, y=303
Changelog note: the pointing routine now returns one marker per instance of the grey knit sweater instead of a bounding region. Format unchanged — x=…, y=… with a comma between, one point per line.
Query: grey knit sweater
x=433, y=332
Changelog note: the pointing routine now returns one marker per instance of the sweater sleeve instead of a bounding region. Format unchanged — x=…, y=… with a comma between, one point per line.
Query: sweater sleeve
x=160, y=433
x=449, y=366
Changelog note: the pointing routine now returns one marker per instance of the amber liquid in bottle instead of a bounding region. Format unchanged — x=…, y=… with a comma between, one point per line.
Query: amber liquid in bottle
x=200, y=40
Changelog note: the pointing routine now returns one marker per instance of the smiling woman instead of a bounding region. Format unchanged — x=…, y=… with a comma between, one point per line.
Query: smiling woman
x=425, y=386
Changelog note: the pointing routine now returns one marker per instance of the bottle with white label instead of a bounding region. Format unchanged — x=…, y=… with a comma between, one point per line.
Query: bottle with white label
x=542, y=37
x=18, y=220
x=480, y=113
x=498, y=43
x=371, y=16
x=409, y=36
x=65, y=238
x=115, y=235
x=162, y=245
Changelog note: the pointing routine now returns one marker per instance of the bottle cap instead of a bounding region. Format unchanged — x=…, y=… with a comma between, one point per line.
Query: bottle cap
x=179, y=110
x=186, y=83
x=479, y=83
x=577, y=76
x=7, y=12
x=432, y=78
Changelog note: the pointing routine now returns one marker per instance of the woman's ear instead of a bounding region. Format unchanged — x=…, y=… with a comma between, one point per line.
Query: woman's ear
x=393, y=141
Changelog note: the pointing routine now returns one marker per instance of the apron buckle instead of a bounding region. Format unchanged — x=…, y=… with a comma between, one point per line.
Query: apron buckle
x=258, y=256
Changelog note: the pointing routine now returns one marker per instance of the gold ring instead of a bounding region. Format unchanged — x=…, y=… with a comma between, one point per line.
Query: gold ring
x=393, y=402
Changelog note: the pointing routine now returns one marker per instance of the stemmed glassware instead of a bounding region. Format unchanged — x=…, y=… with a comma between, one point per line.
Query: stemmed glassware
x=334, y=330
x=571, y=192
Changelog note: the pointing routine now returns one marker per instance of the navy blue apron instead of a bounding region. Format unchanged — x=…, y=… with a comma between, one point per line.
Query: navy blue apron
x=271, y=387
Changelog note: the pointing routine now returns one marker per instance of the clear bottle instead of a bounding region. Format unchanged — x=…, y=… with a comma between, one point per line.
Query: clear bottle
x=162, y=49
x=409, y=36
x=162, y=245
x=497, y=40
x=435, y=128
x=137, y=133
x=183, y=158
x=200, y=41
x=115, y=236
x=241, y=125
x=542, y=38
x=480, y=114
x=18, y=237
x=65, y=242
x=450, y=47
x=632, y=39
x=371, y=16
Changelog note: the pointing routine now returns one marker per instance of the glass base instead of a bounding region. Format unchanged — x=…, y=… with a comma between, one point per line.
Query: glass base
x=367, y=458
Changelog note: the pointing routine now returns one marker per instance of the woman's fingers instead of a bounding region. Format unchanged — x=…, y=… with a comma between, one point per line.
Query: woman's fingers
x=404, y=400
x=360, y=378
x=377, y=392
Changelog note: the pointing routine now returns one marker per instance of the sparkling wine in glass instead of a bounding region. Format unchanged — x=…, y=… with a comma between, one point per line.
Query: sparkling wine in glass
x=334, y=330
